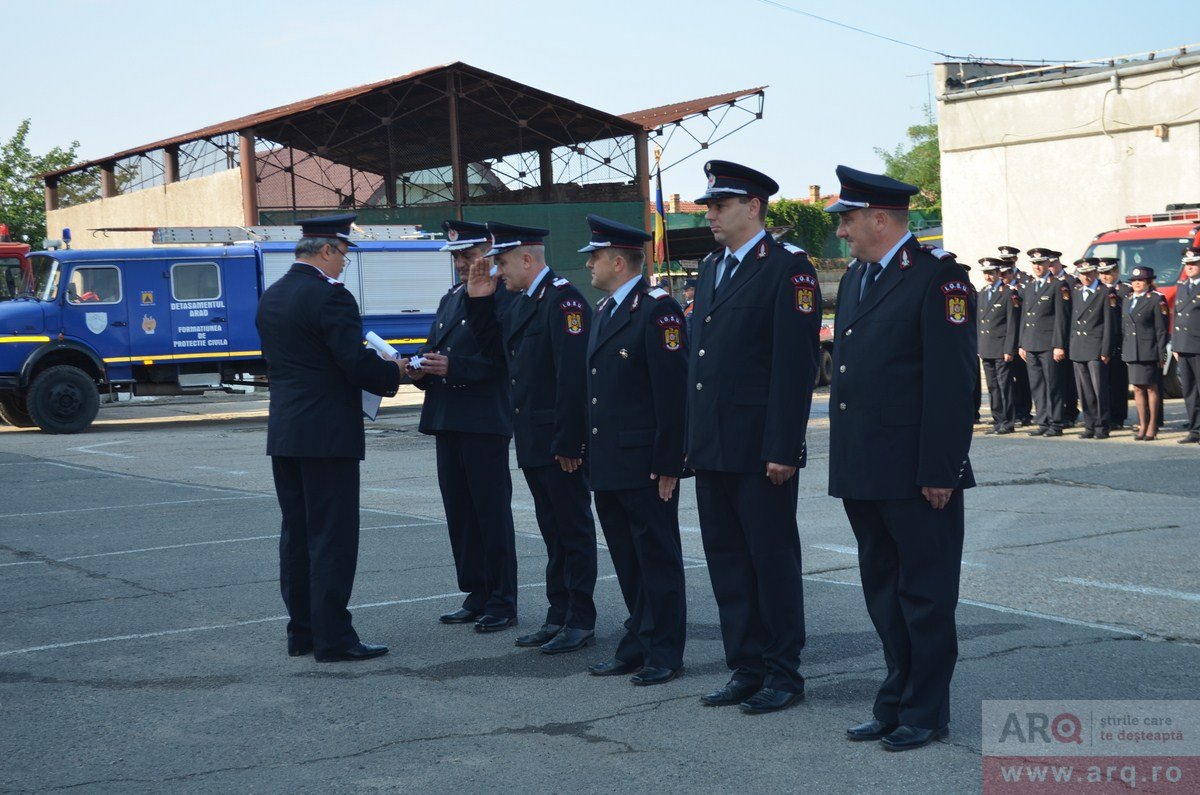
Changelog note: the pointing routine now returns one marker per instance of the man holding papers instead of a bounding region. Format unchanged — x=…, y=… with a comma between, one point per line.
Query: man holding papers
x=312, y=339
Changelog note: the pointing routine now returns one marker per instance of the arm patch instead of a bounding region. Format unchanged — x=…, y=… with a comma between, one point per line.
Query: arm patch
x=670, y=327
x=805, y=287
x=572, y=314
x=957, y=294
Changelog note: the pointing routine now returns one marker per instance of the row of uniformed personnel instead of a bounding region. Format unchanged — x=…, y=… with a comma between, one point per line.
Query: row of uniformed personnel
x=1088, y=332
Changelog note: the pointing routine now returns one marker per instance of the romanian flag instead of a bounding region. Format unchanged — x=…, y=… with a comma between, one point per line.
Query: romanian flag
x=660, y=217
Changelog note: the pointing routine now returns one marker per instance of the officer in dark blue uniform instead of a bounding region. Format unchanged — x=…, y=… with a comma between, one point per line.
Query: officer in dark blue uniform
x=1146, y=332
x=1045, y=333
x=898, y=454
x=1022, y=396
x=637, y=390
x=1185, y=341
x=751, y=371
x=467, y=410
x=1095, y=320
x=543, y=336
x=312, y=339
x=1118, y=373
x=1067, y=375
x=999, y=316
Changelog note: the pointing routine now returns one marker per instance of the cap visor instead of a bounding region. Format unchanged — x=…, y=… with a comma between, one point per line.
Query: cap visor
x=589, y=248
x=841, y=207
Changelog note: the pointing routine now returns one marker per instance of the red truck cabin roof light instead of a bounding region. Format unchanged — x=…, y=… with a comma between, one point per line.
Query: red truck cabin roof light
x=1176, y=216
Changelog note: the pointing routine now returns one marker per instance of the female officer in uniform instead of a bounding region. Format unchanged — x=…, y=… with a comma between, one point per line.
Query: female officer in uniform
x=1144, y=347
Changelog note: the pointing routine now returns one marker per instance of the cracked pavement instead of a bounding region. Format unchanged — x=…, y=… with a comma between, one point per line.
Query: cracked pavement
x=141, y=631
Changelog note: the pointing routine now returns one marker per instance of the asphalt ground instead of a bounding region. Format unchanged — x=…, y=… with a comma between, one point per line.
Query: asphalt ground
x=142, y=634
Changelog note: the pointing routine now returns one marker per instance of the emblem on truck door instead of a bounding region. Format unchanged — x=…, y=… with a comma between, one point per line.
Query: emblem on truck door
x=149, y=324
x=96, y=321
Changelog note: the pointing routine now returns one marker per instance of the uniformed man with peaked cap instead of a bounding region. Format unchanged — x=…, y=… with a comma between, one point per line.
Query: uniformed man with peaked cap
x=999, y=318
x=1045, y=334
x=543, y=337
x=312, y=339
x=1054, y=265
x=751, y=371
x=1022, y=397
x=637, y=387
x=904, y=362
x=1185, y=341
x=1095, y=321
x=1109, y=273
x=467, y=411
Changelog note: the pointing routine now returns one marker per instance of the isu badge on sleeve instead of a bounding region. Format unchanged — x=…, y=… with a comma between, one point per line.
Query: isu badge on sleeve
x=573, y=310
x=956, y=294
x=806, y=292
x=672, y=334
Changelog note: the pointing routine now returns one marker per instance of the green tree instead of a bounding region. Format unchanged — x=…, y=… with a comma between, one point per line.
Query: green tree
x=810, y=223
x=22, y=196
x=919, y=164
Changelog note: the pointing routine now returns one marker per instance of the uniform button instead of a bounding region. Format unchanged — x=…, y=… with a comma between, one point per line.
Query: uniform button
x=701, y=352
x=842, y=369
x=707, y=319
x=441, y=324
x=593, y=371
x=514, y=382
x=699, y=387
x=842, y=406
x=593, y=401
x=513, y=352
x=595, y=431
x=462, y=322
x=516, y=411
x=447, y=349
x=848, y=331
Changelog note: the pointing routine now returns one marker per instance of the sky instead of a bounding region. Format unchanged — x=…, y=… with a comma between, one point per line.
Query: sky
x=115, y=75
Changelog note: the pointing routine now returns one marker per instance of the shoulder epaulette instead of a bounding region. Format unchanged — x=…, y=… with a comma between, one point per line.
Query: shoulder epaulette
x=940, y=253
x=657, y=293
x=560, y=282
x=793, y=249
x=457, y=287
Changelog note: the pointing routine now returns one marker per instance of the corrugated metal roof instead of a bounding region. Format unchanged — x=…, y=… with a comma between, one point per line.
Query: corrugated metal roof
x=270, y=123
x=653, y=118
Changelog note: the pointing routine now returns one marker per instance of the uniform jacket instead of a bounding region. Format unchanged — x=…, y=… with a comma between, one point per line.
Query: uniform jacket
x=544, y=339
x=473, y=396
x=1145, y=329
x=753, y=361
x=999, y=321
x=904, y=371
x=1046, y=315
x=637, y=390
x=1185, y=338
x=1094, y=323
x=312, y=339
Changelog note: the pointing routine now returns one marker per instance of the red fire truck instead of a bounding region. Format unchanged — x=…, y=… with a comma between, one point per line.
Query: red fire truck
x=1155, y=240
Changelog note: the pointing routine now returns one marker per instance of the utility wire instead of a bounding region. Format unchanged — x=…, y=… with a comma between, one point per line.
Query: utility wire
x=947, y=56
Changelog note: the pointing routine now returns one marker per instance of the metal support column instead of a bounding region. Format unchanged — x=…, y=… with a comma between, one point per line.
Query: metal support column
x=456, y=172
x=641, y=146
x=171, y=164
x=249, y=164
x=108, y=180
x=546, y=162
x=51, y=193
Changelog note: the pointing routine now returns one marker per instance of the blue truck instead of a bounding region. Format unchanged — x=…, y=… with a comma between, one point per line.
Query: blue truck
x=179, y=320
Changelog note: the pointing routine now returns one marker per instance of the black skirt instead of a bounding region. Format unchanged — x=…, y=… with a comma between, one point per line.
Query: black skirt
x=1145, y=373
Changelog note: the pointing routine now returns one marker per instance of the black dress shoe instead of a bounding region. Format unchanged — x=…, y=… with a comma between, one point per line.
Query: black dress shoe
x=655, y=676
x=544, y=634
x=1088, y=433
x=359, y=651
x=486, y=623
x=733, y=693
x=460, y=616
x=991, y=432
x=298, y=647
x=1039, y=432
x=569, y=639
x=1053, y=432
x=770, y=700
x=906, y=738
x=1189, y=439
x=871, y=730
x=1102, y=433
x=1004, y=430
x=613, y=667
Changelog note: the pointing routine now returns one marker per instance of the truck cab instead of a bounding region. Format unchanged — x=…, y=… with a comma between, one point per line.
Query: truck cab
x=179, y=320
x=14, y=269
x=1155, y=240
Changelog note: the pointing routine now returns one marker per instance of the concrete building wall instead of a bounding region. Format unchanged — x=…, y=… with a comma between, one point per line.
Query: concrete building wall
x=1052, y=163
x=215, y=200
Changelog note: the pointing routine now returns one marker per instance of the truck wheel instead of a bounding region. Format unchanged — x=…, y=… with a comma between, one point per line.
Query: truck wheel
x=824, y=367
x=13, y=411
x=63, y=399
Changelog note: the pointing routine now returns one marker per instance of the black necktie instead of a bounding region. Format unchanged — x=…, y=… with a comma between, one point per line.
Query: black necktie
x=873, y=269
x=731, y=262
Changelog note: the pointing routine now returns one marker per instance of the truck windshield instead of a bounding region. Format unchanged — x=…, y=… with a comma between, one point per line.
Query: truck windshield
x=45, y=277
x=12, y=279
x=1162, y=254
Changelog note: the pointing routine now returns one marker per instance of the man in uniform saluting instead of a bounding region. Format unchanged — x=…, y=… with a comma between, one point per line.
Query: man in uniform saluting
x=637, y=388
x=312, y=339
x=543, y=336
x=753, y=363
x=468, y=413
x=898, y=454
